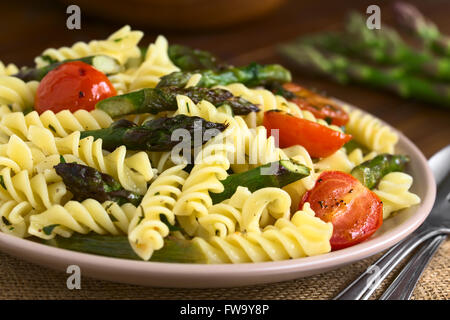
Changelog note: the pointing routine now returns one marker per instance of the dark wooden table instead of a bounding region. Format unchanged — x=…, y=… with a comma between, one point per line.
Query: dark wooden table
x=28, y=27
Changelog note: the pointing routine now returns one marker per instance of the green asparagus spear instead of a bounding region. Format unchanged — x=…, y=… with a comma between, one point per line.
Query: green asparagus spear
x=85, y=182
x=164, y=99
x=105, y=64
x=251, y=75
x=424, y=29
x=384, y=46
x=188, y=59
x=153, y=135
x=174, y=250
x=370, y=172
x=344, y=70
x=283, y=173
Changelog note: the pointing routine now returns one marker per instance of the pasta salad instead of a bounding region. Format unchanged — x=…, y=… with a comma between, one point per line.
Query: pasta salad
x=166, y=153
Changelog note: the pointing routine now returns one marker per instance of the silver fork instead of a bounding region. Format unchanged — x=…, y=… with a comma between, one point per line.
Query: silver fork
x=436, y=224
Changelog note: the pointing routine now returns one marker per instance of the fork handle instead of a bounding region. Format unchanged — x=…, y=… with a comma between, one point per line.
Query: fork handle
x=403, y=286
x=363, y=287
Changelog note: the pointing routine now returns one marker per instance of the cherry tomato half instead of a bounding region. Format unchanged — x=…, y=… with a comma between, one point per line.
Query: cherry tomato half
x=355, y=211
x=319, y=140
x=321, y=107
x=72, y=86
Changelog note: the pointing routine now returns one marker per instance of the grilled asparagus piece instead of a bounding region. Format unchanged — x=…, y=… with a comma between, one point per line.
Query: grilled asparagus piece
x=283, y=173
x=85, y=182
x=189, y=59
x=370, y=172
x=153, y=135
x=105, y=64
x=174, y=250
x=156, y=100
x=251, y=75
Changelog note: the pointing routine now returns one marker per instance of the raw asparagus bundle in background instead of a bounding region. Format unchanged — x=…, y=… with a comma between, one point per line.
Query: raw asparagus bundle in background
x=105, y=64
x=343, y=69
x=383, y=46
x=155, y=100
x=85, y=182
x=153, y=135
x=411, y=19
x=251, y=75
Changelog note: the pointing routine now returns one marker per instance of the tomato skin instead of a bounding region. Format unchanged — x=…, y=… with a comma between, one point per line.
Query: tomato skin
x=319, y=140
x=355, y=211
x=72, y=86
x=321, y=107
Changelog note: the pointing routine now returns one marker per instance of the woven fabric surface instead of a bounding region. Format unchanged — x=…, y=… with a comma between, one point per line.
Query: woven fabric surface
x=22, y=280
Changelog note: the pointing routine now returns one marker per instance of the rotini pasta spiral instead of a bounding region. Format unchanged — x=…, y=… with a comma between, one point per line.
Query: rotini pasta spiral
x=146, y=231
x=8, y=70
x=210, y=166
x=33, y=189
x=121, y=45
x=156, y=64
x=82, y=217
x=14, y=217
x=132, y=172
x=226, y=217
x=303, y=235
x=393, y=191
x=17, y=93
x=61, y=124
x=369, y=131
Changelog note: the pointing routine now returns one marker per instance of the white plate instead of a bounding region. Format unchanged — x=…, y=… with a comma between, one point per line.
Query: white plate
x=228, y=275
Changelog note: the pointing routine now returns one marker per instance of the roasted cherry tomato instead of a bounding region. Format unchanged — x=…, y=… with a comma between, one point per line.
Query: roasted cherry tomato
x=355, y=211
x=321, y=107
x=319, y=140
x=72, y=86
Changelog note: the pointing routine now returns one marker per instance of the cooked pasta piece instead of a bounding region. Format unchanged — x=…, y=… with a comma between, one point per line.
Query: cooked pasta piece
x=14, y=217
x=156, y=64
x=370, y=132
x=33, y=189
x=82, y=217
x=121, y=45
x=357, y=157
x=210, y=166
x=302, y=235
x=60, y=124
x=393, y=191
x=8, y=70
x=17, y=93
x=146, y=231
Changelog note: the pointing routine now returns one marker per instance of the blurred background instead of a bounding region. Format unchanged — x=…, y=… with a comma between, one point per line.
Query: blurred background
x=238, y=31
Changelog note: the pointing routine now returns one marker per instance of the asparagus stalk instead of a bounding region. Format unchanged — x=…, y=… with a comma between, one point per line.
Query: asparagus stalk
x=174, y=250
x=384, y=46
x=85, y=182
x=284, y=173
x=370, y=172
x=411, y=19
x=342, y=69
x=153, y=135
x=164, y=99
x=251, y=75
x=105, y=64
x=188, y=59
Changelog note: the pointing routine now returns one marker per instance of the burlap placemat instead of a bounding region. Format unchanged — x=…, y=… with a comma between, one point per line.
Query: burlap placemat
x=22, y=280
